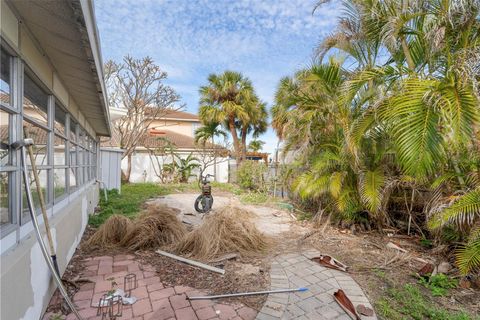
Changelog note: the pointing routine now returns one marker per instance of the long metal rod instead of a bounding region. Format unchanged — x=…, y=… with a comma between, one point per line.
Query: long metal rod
x=242, y=294
x=43, y=207
x=36, y=227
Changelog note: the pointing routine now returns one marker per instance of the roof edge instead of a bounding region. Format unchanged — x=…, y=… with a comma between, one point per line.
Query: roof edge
x=85, y=15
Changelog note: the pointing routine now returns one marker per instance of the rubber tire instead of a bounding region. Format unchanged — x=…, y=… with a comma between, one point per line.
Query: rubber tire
x=200, y=204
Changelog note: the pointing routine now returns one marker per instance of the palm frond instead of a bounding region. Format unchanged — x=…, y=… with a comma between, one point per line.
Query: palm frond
x=468, y=256
x=371, y=185
x=461, y=213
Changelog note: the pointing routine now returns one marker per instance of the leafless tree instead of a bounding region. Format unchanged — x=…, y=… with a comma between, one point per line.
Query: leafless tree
x=210, y=155
x=163, y=160
x=137, y=85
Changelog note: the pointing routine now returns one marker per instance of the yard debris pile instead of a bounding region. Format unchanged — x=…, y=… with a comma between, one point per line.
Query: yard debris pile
x=225, y=230
x=157, y=226
x=111, y=233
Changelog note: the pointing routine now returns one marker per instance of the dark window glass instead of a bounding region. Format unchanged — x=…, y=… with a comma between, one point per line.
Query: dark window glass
x=5, y=215
x=35, y=101
x=73, y=126
x=36, y=199
x=60, y=116
x=4, y=138
x=73, y=178
x=39, y=136
x=6, y=77
x=59, y=151
x=59, y=178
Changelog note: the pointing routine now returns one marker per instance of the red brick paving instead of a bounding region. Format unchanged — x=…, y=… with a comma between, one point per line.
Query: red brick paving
x=154, y=300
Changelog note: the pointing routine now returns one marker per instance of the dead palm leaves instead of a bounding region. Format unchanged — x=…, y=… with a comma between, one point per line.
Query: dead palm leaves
x=223, y=231
x=226, y=230
x=156, y=227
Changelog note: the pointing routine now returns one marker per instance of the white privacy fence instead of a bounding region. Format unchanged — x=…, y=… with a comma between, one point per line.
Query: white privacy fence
x=110, y=168
x=145, y=168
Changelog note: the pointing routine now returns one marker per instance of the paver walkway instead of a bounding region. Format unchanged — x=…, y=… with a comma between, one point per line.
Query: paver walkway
x=296, y=270
x=154, y=301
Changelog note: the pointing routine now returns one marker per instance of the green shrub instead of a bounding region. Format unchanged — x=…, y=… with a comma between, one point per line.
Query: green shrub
x=439, y=284
x=250, y=175
x=254, y=198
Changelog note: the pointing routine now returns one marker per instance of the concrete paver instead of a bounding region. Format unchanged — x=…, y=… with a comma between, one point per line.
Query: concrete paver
x=294, y=270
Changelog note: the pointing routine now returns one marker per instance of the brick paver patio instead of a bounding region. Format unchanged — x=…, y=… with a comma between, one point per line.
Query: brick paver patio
x=297, y=270
x=155, y=302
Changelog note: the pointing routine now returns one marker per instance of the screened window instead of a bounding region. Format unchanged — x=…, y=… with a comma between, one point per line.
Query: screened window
x=6, y=77
x=35, y=102
x=60, y=119
x=5, y=216
x=63, y=152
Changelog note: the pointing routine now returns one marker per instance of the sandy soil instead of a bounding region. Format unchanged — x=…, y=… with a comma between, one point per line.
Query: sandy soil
x=271, y=221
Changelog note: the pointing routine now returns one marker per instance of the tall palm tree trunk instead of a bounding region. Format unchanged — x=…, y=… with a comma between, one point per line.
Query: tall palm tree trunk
x=214, y=159
x=244, y=143
x=408, y=55
x=236, y=142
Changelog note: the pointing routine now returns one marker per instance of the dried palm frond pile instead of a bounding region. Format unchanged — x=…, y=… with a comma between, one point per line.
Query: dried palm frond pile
x=110, y=233
x=157, y=226
x=223, y=231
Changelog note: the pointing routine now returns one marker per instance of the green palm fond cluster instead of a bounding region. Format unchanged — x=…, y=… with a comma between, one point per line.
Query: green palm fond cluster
x=394, y=110
x=229, y=100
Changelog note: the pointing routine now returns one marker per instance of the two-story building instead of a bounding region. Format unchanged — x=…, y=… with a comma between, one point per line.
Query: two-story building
x=178, y=128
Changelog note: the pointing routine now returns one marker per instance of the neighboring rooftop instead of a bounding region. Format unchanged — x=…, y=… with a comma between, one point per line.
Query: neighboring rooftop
x=170, y=114
x=154, y=139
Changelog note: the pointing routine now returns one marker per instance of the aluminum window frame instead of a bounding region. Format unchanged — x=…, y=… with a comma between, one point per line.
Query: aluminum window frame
x=15, y=110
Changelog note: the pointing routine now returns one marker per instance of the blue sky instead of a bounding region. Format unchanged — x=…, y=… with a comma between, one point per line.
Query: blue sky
x=265, y=40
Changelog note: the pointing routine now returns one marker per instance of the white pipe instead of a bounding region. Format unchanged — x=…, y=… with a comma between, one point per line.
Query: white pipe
x=104, y=189
x=36, y=227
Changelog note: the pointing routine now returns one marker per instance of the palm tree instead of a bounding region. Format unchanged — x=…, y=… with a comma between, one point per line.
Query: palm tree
x=223, y=101
x=208, y=132
x=185, y=167
x=404, y=113
x=255, y=123
x=256, y=145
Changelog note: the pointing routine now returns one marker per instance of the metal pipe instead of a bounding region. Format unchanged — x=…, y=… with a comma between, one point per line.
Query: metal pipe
x=104, y=189
x=242, y=294
x=36, y=227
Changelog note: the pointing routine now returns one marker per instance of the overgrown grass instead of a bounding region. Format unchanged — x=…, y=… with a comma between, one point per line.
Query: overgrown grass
x=128, y=202
x=408, y=302
x=133, y=195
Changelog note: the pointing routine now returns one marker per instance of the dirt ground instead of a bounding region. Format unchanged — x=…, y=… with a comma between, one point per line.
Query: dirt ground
x=372, y=265
x=376, y=268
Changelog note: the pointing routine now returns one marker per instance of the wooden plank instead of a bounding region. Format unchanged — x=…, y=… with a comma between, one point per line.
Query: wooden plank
x=191, y=262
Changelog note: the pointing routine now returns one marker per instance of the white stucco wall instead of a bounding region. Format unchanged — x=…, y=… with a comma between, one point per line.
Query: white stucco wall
x=143, y=171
